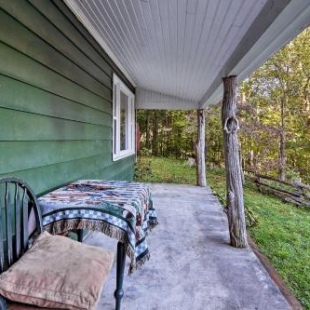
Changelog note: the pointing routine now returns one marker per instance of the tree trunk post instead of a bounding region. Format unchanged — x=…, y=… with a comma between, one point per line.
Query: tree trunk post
x=200, y=150
x=234, y=195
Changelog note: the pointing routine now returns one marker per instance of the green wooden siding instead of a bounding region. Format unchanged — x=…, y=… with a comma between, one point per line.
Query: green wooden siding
x=55, y=98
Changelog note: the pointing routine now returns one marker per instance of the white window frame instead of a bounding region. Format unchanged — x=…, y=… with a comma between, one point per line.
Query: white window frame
x=118, y=153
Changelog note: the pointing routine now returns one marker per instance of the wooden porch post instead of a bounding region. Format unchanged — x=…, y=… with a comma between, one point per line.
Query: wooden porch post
x=200, y=150
x=234, y=195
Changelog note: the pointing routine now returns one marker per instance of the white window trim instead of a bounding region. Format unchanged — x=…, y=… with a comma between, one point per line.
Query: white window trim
x=119, y=86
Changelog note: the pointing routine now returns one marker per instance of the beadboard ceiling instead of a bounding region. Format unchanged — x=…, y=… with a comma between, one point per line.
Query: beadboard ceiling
x=175, y=52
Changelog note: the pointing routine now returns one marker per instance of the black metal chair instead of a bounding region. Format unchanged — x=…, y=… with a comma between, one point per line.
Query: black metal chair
x=21, y=223
x=21, y=217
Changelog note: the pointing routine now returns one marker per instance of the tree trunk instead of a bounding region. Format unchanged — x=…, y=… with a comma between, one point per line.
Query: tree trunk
x=200, y=150
x=235, y=205
x=282, y=153
x=155, y=134
x=148, y=130
x=241, y=165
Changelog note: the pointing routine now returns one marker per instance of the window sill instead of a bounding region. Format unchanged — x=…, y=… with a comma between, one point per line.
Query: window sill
x=123, y=155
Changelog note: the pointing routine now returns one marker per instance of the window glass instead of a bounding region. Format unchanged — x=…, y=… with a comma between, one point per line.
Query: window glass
x=123, y=120
x=114, y=136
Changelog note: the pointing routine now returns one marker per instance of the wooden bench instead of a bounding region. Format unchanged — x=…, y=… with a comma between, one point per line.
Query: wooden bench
x=40, y=269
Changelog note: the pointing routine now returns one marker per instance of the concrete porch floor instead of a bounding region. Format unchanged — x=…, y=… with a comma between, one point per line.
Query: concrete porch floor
x=192, y=265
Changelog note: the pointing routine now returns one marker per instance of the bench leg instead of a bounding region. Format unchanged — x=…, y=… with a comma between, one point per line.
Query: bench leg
x=120, y=268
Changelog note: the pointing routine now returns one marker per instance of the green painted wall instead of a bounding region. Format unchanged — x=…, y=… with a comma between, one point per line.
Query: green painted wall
x=55, y=98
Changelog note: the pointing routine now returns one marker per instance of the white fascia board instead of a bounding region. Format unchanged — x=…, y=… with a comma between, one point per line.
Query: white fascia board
x=292, y=20
x=152, y=100
x=74, y=7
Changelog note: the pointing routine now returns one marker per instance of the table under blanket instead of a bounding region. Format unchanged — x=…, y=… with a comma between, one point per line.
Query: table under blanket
x=120, y=209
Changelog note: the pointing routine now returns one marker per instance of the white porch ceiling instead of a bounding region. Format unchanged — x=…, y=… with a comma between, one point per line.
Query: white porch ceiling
x=177, y=51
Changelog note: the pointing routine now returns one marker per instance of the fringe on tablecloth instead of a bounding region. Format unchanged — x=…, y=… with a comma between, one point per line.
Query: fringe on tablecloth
x=99, y=226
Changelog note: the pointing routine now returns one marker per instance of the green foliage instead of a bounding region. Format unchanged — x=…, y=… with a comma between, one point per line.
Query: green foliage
x=214, y=137
x=217, y=183
x=168, y=133
x=283, y=235
x=143, y=170
x=292, y=175
x=275, y=112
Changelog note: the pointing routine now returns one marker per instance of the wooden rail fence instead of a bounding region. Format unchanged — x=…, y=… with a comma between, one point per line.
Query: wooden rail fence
x=296, y=193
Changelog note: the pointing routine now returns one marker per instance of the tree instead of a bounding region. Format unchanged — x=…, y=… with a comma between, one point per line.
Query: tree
x=168, y=133
x=279, y=92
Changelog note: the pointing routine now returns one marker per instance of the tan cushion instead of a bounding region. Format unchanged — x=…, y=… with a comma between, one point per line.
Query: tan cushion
x=57, y=272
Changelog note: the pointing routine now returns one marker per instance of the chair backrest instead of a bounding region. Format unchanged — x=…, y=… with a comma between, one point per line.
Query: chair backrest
x=20, y=220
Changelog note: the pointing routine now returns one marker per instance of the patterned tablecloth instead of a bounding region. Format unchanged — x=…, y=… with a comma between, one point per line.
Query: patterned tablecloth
x=120, y=209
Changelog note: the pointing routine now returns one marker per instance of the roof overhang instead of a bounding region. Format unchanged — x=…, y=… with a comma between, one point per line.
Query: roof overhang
x=176, y=52
x=281, y=29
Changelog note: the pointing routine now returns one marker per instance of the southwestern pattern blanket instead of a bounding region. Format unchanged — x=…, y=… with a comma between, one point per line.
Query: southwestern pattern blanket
x=120, y=209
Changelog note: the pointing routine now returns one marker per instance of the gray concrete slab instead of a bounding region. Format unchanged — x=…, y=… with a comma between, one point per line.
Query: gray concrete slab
x=192, y=265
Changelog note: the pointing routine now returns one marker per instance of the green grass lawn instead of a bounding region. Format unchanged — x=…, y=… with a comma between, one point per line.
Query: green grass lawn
x=282, y=231
x=165, y=170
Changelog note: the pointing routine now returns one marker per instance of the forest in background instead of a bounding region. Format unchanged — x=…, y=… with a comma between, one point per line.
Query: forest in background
x=274, y=115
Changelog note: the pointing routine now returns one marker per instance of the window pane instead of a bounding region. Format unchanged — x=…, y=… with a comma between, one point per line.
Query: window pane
x=114, y=136
x=124, y=122
x=114, y=99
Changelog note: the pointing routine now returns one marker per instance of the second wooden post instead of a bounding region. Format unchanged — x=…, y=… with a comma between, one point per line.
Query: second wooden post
x=200, y=149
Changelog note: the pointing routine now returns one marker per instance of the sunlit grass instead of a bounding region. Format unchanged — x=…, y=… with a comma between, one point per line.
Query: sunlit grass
x=282, y=231
x=165, y=170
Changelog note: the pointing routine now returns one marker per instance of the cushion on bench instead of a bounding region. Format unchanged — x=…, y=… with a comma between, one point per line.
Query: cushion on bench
x=57, y=272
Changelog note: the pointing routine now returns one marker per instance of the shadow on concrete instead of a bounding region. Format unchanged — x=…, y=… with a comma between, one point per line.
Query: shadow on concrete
x=192, y=265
